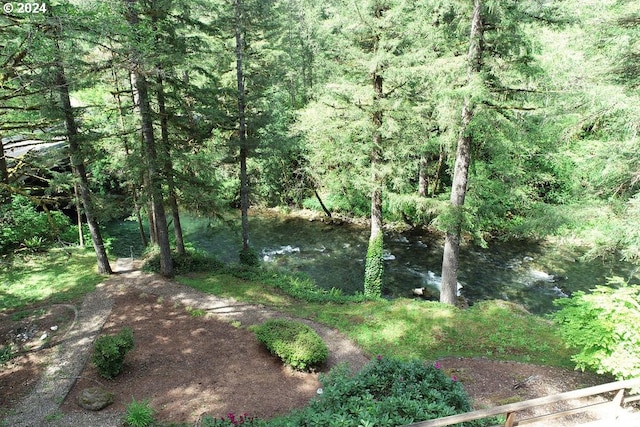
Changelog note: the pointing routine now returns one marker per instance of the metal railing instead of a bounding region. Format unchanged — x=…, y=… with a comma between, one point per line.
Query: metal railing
x=511, y=410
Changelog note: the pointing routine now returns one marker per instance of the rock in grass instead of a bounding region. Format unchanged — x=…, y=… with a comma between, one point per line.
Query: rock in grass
x=95, y=398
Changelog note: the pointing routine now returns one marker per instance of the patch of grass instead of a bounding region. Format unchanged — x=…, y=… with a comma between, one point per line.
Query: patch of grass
x=6, y=353
x=195, y=312
x=407, y=328
x=139, y=414
x=23, y=314
x=229, y=286
x=52, y=277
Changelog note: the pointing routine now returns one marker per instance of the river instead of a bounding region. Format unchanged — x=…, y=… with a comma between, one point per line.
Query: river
x=527, y=273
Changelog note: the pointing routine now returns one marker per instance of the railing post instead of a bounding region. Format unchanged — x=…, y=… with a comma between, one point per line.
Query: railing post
x=511, y=418
x=619, y=399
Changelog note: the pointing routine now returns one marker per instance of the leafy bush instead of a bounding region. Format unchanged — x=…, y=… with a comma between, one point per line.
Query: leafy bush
x=249, y=257
x=189, y=262
x=22, y=225
x=604, y=326
x=387, y=392
x=109, y=352
x=374, y=268
x=139, y=414
x=295, y=343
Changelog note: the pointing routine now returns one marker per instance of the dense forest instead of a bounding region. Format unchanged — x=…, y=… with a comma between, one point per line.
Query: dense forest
x=484, y=120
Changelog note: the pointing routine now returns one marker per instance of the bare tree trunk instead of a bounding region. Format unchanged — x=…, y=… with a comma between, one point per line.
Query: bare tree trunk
x=376, y=160
x=437, y=180
x=168, y=166
x=78, y=167
x=141, y=99
x=423, y=177
x=242, y=130
x=448, y=293
x=132, y=187
x=78, y=215
x=4, y=173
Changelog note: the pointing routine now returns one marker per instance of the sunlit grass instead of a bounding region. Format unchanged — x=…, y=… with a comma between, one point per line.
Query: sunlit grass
x=408, y=328
x=403, y=328
x=52, y=277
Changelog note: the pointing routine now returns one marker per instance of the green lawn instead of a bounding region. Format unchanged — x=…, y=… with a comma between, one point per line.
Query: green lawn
x=403, y=328
x=52, y=277
x=409, y=328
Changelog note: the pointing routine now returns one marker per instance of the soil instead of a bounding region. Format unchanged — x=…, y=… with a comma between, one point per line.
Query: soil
x=188, y=362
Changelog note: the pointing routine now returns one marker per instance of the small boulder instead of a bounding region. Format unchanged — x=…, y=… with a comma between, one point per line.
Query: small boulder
x=95, y=398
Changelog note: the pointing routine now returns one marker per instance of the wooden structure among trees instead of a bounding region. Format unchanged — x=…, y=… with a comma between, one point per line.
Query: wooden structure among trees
x=626, y=392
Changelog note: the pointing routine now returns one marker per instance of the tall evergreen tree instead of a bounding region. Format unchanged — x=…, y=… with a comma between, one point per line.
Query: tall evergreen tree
x=448, y=292
x=75, y=152
x=143, y=107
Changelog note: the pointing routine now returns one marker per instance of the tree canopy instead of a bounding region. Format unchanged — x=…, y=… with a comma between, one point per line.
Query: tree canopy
x=504, y=119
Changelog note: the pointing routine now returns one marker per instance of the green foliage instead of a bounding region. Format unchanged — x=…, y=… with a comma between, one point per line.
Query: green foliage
x=249, y=257
x=55, y=276
x=297, y=344
x=603, y=326
x=374, y=268
x=252, y=280
x=21, y=225
x=139, y=414
x=109, y=351
x=6, y=353
x=232, y=420
x=185, y=263
x=385, y=393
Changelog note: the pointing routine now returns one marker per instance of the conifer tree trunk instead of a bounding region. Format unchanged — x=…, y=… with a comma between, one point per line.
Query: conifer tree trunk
x=132, y=188
x=423, y=177
x=374, y=267
x=448, y=293
x=437, y=180
x=4, y=174
x=141, y=102
x=168, y=166
x=242, y=128
x=79, y=169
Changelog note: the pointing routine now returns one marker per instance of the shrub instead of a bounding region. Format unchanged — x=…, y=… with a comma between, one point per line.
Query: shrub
x=109, y=352
x=385, y=393
x=374, y=268
x=189, y=262
x=603, y=325
x=22, y=225
x=295, y=343
x=139, y=414
x=249, y=257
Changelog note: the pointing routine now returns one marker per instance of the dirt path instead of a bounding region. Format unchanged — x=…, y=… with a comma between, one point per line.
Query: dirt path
x=194, y=356
x=186, y=365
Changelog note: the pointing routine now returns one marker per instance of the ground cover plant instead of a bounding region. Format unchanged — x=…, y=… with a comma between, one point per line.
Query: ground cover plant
x=387, y=392
x=297, y=344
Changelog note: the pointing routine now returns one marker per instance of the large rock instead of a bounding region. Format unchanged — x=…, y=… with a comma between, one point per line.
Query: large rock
x=95, y=398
